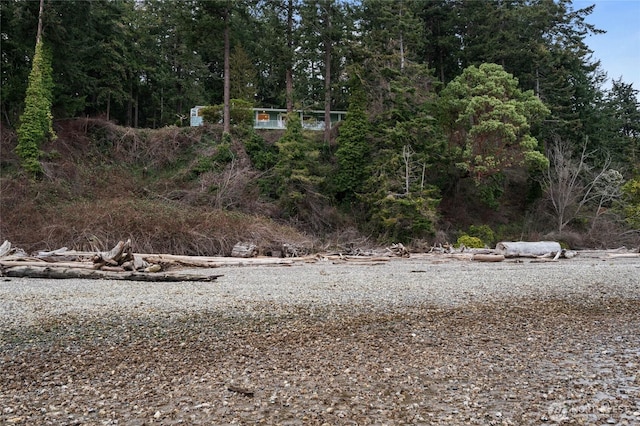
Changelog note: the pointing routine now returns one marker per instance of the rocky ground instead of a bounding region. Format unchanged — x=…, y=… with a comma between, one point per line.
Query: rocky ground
x=403, y=342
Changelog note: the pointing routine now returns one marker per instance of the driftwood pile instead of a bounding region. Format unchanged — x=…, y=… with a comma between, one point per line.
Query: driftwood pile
x=119, y=263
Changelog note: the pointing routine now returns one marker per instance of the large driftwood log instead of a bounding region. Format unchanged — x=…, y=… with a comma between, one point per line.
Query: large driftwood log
x=216, y=262
x=64, y=273
x=528, y=249
x=42, y=263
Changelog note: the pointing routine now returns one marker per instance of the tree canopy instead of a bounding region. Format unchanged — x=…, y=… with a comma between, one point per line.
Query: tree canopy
x=437, y=92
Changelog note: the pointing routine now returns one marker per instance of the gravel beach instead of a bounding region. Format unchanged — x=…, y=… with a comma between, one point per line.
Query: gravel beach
x=407, y=341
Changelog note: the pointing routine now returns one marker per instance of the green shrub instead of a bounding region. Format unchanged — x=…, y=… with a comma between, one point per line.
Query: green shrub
x=484, y=233
x=211, y=114
x=241, y=112
x=262, y=155
x=631, y=202
x=216, y=162
x=469, y=241
x=223, y=154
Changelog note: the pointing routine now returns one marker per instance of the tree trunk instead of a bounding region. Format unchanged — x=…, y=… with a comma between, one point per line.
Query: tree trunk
x=136, y=115
x=40, y=13
x=108, y=106
x=327, y=75
x=227, y=75
x=289, y=71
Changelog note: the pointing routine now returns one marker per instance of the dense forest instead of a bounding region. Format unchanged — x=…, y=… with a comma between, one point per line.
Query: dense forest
x=467, y=121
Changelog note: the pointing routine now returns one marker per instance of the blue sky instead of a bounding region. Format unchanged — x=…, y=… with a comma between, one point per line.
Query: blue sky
x=619, y=49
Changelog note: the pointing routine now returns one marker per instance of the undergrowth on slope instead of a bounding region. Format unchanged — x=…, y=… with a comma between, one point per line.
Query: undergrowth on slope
x=171, y=190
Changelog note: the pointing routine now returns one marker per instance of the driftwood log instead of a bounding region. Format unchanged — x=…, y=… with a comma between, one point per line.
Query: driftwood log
x=119, y=263
x=487, y=257
x=218, y=261
x=64, y=273
x=528, y=249
x=36, y=263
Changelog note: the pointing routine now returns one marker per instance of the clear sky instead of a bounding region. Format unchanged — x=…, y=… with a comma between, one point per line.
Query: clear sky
x=619, y=49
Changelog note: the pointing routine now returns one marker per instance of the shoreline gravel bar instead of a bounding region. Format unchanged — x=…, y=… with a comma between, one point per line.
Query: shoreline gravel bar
x=396, y=282
x=420, y=341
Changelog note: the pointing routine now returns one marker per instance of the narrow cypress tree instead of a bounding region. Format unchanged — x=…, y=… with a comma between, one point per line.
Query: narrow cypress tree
x=36, y=122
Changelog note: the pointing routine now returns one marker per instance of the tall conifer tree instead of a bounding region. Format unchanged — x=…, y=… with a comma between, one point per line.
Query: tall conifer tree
x=36, y=123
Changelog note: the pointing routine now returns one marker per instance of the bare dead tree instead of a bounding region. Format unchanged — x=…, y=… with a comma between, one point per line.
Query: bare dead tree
x=412, y=169
x=607, y=190
x=407, y=153
x=571, y=184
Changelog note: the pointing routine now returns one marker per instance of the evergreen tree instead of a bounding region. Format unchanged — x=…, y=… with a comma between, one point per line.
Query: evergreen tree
x=441, y=48
x=392, y=32
x=36, y=123
x=18, y=21
x=110, y=67
x=173, y=76
x=623, y=142
x=353, y=145
x=488, y=120
x=296, y=180
x=319, y=57
x=273, y=52
x=242, y=75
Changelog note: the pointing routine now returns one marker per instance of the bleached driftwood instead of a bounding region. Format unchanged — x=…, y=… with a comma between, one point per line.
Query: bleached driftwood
x=119, y=254
x=398, y=250
x=64, y=273
x=5, y=248
x=42, y=263
x=623, y=255
x=528, y=249
x=244, y=250
x=217, y=261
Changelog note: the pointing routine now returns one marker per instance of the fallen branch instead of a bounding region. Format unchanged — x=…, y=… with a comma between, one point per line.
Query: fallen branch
x=487, y=257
